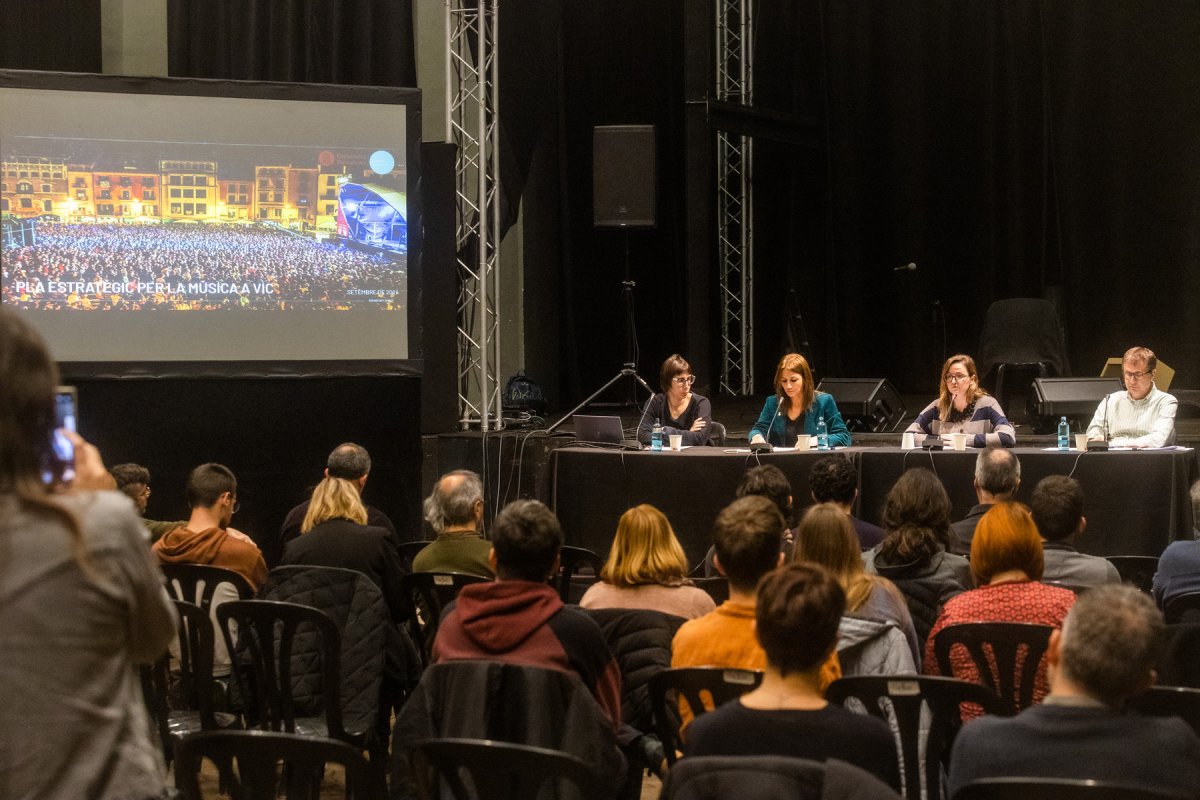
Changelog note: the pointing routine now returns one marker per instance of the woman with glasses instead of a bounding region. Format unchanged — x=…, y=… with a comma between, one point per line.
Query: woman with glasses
x=963, y=407
x=678, y=408
x=797, y=407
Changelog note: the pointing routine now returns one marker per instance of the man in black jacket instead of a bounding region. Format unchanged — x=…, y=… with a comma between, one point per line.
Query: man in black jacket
x=352, y=462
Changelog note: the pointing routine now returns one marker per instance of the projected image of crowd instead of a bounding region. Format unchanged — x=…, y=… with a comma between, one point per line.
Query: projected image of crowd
x=195, y=267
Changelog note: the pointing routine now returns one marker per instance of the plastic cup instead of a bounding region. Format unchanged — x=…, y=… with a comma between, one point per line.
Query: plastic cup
x=802, y=441
x=908, y=441
x=960, y=440
x=676, y=441
x=1081, y=440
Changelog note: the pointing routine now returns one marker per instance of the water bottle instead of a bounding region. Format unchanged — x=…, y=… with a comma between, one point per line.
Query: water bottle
x=656, y=436
x=822, y=434
x=1064, y=435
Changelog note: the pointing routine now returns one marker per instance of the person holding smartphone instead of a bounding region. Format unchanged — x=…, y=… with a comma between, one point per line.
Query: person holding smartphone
x=82, y=603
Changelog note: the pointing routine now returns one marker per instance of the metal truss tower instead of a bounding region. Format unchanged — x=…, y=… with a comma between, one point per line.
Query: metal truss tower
x=472, y=105
x=735, y=203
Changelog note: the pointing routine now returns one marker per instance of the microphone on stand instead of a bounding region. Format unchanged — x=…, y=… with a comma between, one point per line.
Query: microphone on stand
x=645, y=408
x=1103, y=444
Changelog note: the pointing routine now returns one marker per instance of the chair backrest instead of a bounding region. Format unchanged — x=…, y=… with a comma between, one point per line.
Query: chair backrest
x=717, y=587
x=640, y=641
x=744, y=777
x=1182, y=608
x=574, y=564
x=1053, y=789
x=1179, y=664
x=431, y=592
x=1136, y=570
x=481, y=769
x=267, y=634
x=408, y=551
x=195, y=583
x=1022, y=330
x=249, y=762
x=930, y=733
x=196, y=647
x=702, y=688
x=1170, y=701
x=716, y=434
x=999, y=650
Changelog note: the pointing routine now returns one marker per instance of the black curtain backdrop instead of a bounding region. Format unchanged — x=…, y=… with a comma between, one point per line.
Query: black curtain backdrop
x=358, y=42
x=52, y=35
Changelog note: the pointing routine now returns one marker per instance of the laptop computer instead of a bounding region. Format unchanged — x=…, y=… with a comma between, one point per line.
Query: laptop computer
x=602, y=430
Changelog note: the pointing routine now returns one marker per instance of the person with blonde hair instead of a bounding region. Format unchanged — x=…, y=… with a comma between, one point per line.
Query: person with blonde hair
x=873, y=605
x=647, y=568
x=796, y=407
x=962, y=406
x=1007, y=564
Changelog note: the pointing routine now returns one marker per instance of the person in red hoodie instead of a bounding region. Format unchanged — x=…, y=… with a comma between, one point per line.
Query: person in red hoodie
x=207, y=537
x=519, y=618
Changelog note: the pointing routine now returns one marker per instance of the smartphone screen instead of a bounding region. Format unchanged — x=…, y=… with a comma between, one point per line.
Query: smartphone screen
x=65, y=402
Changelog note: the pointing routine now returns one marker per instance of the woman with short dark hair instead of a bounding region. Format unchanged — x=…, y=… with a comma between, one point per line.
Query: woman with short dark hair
x=678, y=409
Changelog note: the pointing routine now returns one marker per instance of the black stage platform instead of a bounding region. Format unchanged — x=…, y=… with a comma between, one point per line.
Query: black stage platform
x=1135, y=502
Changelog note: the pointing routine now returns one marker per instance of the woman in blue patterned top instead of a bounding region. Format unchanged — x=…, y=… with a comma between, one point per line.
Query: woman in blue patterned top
x=963, y=407
x=796, y=407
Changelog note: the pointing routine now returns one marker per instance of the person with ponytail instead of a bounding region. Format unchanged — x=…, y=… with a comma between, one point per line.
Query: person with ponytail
x=82, y=603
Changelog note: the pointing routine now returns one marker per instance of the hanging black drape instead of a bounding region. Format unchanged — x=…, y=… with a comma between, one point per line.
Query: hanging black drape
x=358, y=42
x=53, y=35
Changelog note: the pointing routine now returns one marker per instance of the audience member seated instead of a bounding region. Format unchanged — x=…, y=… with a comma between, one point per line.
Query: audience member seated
x=454, y=509
x=1104, y=654
x=1007, y=563
x=81, y=604
x=913, y=556
x=797, y=407
x=680, y=410
x=646, y=568
x=133, y=481
x=834, y=479
x=964, y=407
x=1140, y=415
x=350, y=462
x=798, y=611
x=519, y=618
x=997, y=478
x=747, y=534
x=765, y=480
x=1179, y=565
x=207, y=537
x=1057, y=507
x=877, y=634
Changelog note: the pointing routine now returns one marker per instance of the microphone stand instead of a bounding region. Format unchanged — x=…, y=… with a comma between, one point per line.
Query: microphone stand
x=629, y=368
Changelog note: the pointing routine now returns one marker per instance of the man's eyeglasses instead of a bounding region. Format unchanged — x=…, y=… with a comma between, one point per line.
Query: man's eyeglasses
x=684, y=380
x=957, y=378
x=1133, y=376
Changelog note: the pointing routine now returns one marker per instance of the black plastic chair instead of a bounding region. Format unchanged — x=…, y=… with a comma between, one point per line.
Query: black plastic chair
x=259, y=756
x=1170, y=701
x=196, y=583
x=1020, y=334
x=905, y=697
x=408, y=552
x=668, y=687
x=1054, y=789
x=716, y=587
x=1179, y=664
x=266, y=639
x=574, y=565
x=1004, y=645
x=431, y=592
x=1182, y=608
x=481, y=769
x=716, y=434
x=1136, y=570
x=768, y=778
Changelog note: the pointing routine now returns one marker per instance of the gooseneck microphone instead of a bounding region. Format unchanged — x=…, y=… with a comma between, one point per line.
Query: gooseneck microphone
x=1103, y=444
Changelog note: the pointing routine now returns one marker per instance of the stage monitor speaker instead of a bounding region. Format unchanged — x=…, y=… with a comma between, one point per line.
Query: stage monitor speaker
x=1074, y=398
x=866, y=404
x=624, y=176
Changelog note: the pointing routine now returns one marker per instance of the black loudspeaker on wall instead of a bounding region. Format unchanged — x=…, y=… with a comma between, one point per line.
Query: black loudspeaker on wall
x=1073, y=398
x=866, y=404
x=624, y=176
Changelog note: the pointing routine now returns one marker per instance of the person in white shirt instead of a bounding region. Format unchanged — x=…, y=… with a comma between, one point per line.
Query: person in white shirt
x=1141, y=416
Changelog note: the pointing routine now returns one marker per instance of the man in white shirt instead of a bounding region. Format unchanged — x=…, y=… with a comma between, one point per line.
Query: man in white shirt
x=1141, y=416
